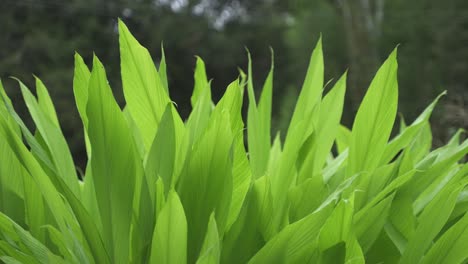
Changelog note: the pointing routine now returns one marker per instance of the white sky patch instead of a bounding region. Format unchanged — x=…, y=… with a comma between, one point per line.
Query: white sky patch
x=127, y=12
x=218, y=18
x=223, y=18
x=177, y=5
x=202, y=7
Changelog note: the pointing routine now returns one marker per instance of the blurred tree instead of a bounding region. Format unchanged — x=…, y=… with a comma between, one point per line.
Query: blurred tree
x=432, y=58
x=360, y=34
x=363, y=24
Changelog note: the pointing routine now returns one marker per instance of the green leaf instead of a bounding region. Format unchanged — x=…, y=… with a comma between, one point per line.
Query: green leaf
x=452, y=176
x=201, y=83
x=264, y=207
x=34, y=208
x=144, y=91
x=80, y=90
x=335, y=166
x=374, y=119
x=401, y=223
x=431, y=221
x=11, y=186
x=259, y=123
x=331, y=109
x=428, y=181
x=333, y=254
x=451, y=246
x=303, y=124
x=383, y=251
x=161, y=157
x=210, y=252
x=114, y=163
x=143, y=220
x=199, y=117
x=338, y=226
x=16, y=126
x=369, y=223
x=31, y=246
x=343, y=137
x=205, y=184
x=45, y=102
x=163, y=70
x=10, y=260
x=6, y=107
x=170, y=233
x=53, y=137
x=47, y=184
x=80, y=87
x=244, y=235
x=381, y=178
x=292, y=244
x=306, y=197
x=241, y=171
x=408, y=134
x=57, y=238
x=311, y=92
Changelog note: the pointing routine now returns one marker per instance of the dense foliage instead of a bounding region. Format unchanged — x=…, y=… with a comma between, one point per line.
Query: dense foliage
x=40, y=36
x=158, y=189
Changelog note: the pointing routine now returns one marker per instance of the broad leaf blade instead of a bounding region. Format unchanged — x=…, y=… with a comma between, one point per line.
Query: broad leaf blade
x=170, y=233
x=114, y=163
x=144, y=91
x=201, y=83
x=210, y=252
x=54, y=139
x=374, y=119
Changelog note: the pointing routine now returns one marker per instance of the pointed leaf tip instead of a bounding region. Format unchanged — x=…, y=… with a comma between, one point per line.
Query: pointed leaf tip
x=97, y=64
x=319, y=41
x=394, y=52
x=272, y=52
x=120, y=22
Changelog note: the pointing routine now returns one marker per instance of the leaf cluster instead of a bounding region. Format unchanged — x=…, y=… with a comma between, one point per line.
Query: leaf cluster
x=159, y=189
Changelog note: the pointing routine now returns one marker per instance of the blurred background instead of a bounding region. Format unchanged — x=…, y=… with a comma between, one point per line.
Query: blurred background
x=40, y=37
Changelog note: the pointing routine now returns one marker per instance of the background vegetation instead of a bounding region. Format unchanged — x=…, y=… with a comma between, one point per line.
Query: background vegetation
x=39, y=36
